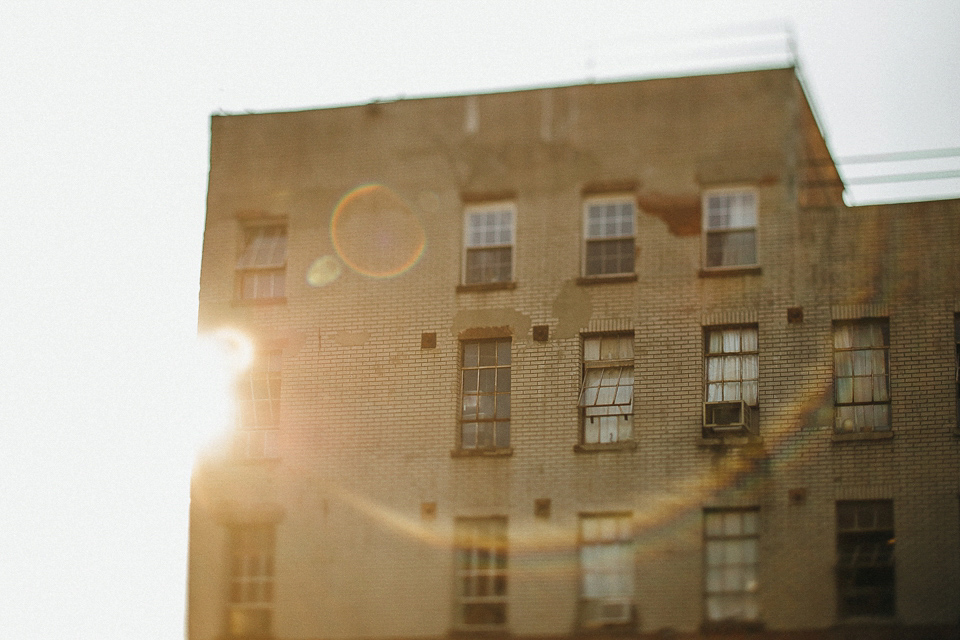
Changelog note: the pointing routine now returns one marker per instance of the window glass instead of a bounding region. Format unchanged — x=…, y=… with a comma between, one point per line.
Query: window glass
x=485, y=394
x=606, y=393
x=609, y=246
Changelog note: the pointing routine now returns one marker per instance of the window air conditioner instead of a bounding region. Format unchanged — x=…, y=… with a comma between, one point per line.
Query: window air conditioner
x=729, y=417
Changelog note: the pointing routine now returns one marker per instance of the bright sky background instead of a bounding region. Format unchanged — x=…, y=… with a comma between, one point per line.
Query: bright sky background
x=104, y=135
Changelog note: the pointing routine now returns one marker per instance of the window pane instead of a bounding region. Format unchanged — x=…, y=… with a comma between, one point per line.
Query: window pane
x=503, y=352
x=715, y=369
x=488, y=380
x=591, y=348
x=731, y=248
x=488, y=354
x=470, y=378
x=471, y=352
x=485, y=434
x=503, y=406
x=485, y=407
x=503, y=379
x=468, y=435
x=503, y=434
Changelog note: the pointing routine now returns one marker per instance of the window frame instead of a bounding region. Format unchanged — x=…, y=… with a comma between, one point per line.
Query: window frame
x=587, y=238
x=748, y=592
x=603, y=364
x=840, y=407
x=623, y=547
x=256, y=438
x=498, y=420
x=249, y=265
x=749, y=412
x=707, y=231
x=252, y=572
x=856, y=540
x=478, y=209
x=470, y=549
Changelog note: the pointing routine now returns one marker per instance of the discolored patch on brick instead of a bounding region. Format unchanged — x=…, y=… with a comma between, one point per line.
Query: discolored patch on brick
x=681, y=213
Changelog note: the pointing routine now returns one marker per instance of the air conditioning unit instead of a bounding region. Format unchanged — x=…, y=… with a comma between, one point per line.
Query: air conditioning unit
x=730, y=417
x=601, y=612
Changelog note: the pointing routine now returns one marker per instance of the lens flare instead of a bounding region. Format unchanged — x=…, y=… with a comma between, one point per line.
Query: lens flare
x=323, y=271
x=220, y=356
x=376, y=233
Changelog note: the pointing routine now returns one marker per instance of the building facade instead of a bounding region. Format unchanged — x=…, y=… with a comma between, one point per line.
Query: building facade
x=611, y=358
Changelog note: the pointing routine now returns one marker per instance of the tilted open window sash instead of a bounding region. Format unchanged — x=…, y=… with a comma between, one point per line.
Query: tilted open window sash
x=607, y=391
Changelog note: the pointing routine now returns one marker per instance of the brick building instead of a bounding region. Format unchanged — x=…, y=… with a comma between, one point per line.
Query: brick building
x=601, y=358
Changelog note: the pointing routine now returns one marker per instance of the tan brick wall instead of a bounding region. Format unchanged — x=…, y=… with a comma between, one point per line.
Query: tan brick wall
x=369, y=419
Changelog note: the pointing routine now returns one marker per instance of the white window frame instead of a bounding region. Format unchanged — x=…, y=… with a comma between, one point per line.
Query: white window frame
x=258, y=406
x=728, y=367
x=251, y=566
x=601, y=237
x=472, y=243
x=853, y=413
x=262, y=263
x=485, y=394
x=731, y=564
x=481, y=572
x=607, y=568
x=710, y=231
x=607, y=388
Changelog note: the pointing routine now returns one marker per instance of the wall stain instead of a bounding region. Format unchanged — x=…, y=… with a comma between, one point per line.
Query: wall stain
x=573, y=308
x=465, y=319
x=680, y=213
x=351, y=338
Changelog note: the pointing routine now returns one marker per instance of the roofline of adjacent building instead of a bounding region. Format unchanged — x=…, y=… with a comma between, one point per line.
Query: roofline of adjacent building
x=697, y=73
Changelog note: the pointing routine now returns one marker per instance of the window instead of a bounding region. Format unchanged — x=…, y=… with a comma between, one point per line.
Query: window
x=606, y=569
x=608, y=237
x=865, y=567
x=731, y=371
x=861, y=375
x=488, y=244
x=730, y=559
x=606, y=395
x=481, y=572
x=261, y=269
x=730, y=224
x=250, y=612
x=485, y=413
x=259, y=407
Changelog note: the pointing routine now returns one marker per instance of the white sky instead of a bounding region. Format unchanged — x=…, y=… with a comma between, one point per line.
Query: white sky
x=103, y=162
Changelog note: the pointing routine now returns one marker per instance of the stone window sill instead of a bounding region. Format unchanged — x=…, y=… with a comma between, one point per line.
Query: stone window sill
x=720, y=272
x=486, y=286
x=502, y=452
x=623, y=445
x=862, y=435
x=610, y=279
x=732, y=626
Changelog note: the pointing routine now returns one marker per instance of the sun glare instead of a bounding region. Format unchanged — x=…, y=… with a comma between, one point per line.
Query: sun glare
x=220, y=357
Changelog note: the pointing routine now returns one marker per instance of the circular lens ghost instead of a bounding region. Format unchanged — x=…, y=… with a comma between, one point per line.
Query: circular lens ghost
x=376, y=233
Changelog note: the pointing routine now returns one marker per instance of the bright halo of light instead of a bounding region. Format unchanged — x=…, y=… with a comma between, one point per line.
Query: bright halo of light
x=218, y=359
